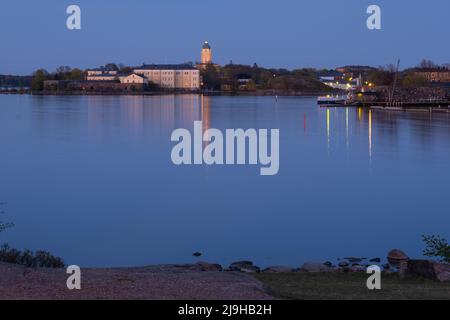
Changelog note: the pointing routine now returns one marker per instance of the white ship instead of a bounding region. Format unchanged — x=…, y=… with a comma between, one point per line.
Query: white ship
x=332, y=100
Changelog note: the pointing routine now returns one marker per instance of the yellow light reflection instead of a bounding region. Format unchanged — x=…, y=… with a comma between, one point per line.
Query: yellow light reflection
x=346, y=126
x=370, y=133
x=328, y=128
x=205, y=115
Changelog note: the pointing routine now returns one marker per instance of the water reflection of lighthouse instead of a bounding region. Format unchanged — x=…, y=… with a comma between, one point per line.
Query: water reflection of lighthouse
x=205, y=116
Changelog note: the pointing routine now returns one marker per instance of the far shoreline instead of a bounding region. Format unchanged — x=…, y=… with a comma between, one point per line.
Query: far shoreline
x=167, y=93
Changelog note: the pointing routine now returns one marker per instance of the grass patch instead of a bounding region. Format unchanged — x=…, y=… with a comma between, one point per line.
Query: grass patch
x=351, y=286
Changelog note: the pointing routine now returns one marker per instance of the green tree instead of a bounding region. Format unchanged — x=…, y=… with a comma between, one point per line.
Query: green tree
x=136, y=88
x=151, y=86
x=211, y=78
x=413, y=80
x=125, y=70
x=37, y=84
x=112, y=66
x=427, y=64
x=76, y=74
x=290, y=83
x=381, y=77
x=306, y=72
x=437, y=247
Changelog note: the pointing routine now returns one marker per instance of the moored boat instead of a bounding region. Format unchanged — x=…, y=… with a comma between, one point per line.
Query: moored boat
x=331, y=100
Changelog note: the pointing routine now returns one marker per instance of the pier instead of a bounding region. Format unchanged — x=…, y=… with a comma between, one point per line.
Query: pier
x=419, y=105
x=437, y=105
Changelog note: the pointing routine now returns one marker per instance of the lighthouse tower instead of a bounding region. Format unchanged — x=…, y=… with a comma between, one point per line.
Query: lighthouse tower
x=206, y=54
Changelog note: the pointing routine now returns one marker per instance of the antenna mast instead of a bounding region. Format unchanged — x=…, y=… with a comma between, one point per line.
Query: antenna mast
x=395, y=82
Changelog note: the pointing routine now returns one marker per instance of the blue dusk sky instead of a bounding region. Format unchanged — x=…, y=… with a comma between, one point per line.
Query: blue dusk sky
x=283, y=33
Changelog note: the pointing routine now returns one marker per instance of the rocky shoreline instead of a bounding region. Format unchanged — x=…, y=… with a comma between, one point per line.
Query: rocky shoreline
x=397, y=262
x=201, y=280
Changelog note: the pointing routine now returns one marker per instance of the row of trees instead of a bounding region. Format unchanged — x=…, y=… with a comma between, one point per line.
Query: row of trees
x=61, y=73
x=15, y=81
x=428, y=64
x=409, y=78
x=68, y=73
x=75, y=74
x=230, y=77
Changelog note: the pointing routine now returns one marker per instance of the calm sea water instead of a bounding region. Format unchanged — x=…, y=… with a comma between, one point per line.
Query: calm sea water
x=91, y=179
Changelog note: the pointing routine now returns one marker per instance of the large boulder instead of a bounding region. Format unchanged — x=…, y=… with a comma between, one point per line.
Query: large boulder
x=206, y=266
x=444, y=276
x=428, y=269
x=244, y=266
x=441, y=267
x=315, y=267
x=397, y=257
x=358, y=268
x=278, y=269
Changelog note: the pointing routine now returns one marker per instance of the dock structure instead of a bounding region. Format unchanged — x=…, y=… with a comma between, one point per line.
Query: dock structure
x=424, y=105
x=419, y=105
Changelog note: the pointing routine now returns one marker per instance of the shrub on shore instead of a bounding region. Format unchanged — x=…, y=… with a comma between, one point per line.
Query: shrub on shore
x=27, y=258
x=4, y=225
x=437, y=247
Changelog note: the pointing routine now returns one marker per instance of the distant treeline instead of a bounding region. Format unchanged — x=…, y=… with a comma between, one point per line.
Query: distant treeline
x=237, y=77
x=15, y=81
x=241, y=78
x=231, y=78
x=409, y=78
x=61, y=73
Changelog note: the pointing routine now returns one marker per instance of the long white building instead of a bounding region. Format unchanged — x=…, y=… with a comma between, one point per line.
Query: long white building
x=171, y=76
x=167, y=76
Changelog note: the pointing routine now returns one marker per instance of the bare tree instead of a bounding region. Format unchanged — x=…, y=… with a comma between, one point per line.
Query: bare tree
x=4, y=225
x=63, y=69
x=388, y=68
x=427, y=64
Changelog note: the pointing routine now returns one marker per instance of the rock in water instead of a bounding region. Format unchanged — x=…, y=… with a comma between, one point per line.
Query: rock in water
x=396, y=257
x=197, y=254
x=343, y=264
